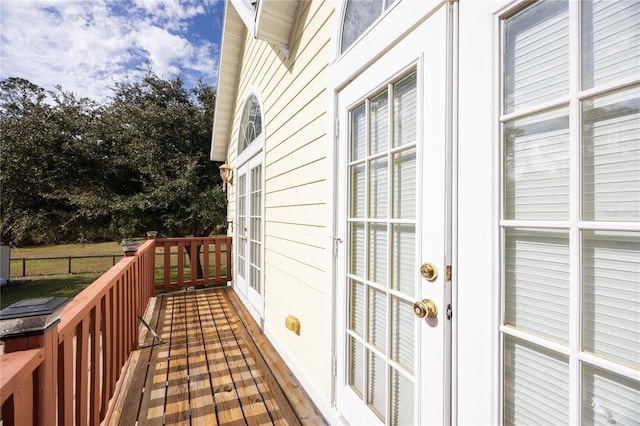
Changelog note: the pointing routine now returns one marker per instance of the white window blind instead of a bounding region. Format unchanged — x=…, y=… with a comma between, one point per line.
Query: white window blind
x=537, y=60
x=378, y=253
x=402, y=394
x=405, y=98
x=378, y=187
x=379, y=124
x=536, y=385
x=537, y=167
x=403, y=333
x=358, y=133
x=358, y=191
x=255, y=237
x=611, y=156
x=611, y=295
x=402, y=259
x=242, y=225
x=608, y=398
x=377, y=333
x=610, y=41
x=356, y=236
x=536, y=294
x=356, y=305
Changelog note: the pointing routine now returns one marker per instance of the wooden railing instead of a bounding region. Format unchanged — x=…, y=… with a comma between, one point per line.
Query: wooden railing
x=72, y=371
x=189, y=262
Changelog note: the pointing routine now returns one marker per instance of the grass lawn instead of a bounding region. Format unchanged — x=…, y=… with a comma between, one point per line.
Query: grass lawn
x=49, y=277
x=24, y=263
x=61, y=285
x=46, y=278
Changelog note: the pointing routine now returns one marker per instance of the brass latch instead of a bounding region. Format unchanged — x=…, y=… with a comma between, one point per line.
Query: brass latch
x=429, y=271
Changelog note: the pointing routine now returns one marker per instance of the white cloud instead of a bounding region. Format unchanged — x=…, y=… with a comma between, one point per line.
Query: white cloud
x=85, y=46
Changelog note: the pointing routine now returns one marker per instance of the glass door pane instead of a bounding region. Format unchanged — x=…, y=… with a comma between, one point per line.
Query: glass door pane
x=609, y=398
x=611, y=156
x=242, y=226
x=381, y=280
x=536, y=385
x=255, y=237
x=611, y=295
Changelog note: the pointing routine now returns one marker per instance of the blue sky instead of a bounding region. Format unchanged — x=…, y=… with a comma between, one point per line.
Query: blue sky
x=86, y=46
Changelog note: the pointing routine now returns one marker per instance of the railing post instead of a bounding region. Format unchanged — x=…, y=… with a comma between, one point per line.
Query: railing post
x=31, y=324
x=129, y=248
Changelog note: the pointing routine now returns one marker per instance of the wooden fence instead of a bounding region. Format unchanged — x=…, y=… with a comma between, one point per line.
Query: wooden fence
x=64, y=264
x=72, y=371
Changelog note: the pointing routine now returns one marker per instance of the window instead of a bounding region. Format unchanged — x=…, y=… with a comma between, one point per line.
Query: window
x=250, y=123
x=358, y=16
x=571, y=213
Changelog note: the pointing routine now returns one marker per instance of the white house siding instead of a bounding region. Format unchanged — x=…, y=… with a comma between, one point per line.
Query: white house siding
x=293, y=100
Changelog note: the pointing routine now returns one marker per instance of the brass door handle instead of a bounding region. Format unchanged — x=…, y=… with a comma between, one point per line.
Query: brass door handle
x=425, y=308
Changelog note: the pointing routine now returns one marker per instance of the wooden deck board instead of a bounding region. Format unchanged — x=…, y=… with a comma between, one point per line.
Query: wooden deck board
x=176, y=408
x=211, y=370
x=200, y=389
x=153, y=398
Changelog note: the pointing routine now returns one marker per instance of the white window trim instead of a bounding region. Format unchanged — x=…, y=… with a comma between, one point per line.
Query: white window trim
x=574, y=225
x=258, y=143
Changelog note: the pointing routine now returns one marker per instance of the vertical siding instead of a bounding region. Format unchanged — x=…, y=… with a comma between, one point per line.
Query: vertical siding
x=294, y=101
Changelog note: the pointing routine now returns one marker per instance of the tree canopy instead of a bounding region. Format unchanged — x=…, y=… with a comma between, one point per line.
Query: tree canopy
x=73, y=169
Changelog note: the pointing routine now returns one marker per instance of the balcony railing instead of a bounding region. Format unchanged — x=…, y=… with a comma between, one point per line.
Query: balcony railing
x=189, y=262
x=71, y=371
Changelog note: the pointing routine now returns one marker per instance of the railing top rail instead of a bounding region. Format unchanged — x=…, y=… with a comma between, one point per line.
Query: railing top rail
x=184, y=239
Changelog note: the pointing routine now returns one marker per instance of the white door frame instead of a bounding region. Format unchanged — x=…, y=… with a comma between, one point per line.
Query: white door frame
x=444, y=254
x=253, y=301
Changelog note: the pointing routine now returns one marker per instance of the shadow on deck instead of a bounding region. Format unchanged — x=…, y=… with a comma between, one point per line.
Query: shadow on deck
x=215, y=367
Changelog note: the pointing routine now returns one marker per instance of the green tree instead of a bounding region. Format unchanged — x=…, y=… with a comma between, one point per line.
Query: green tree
x=160, y=133
x=73, y=169
x=48, y=163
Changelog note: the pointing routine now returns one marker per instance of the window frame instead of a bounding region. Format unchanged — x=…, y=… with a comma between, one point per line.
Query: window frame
x=255, y=146
x=575, y=225
x=385, y=11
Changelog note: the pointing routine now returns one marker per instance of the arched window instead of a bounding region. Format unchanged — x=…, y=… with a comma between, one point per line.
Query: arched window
x=358, y=16
x=250, y=124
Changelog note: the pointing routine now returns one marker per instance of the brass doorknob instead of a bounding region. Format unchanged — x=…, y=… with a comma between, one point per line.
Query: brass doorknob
x=425, y=308
x=429, y=271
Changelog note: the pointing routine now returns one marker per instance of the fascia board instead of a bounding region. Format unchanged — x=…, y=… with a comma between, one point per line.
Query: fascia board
x=233, y=34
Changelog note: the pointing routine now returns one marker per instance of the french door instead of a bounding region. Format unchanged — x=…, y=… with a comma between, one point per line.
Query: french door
x=250, y=236
x=393, y=292
x=570, y=121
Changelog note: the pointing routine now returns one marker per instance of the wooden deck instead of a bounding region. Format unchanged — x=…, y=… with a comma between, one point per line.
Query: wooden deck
x=214, y=367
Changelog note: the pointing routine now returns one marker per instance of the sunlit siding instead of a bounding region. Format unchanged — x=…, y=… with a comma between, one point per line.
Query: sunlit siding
x=294, y=102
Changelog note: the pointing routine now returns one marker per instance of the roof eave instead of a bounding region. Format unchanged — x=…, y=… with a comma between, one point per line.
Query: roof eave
x=233, y=34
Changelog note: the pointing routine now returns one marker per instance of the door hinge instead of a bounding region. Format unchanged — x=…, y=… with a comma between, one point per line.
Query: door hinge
x=334, y=366
x=449, y=311
x=448, y=273
x=337, y=127
x=336, y=242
